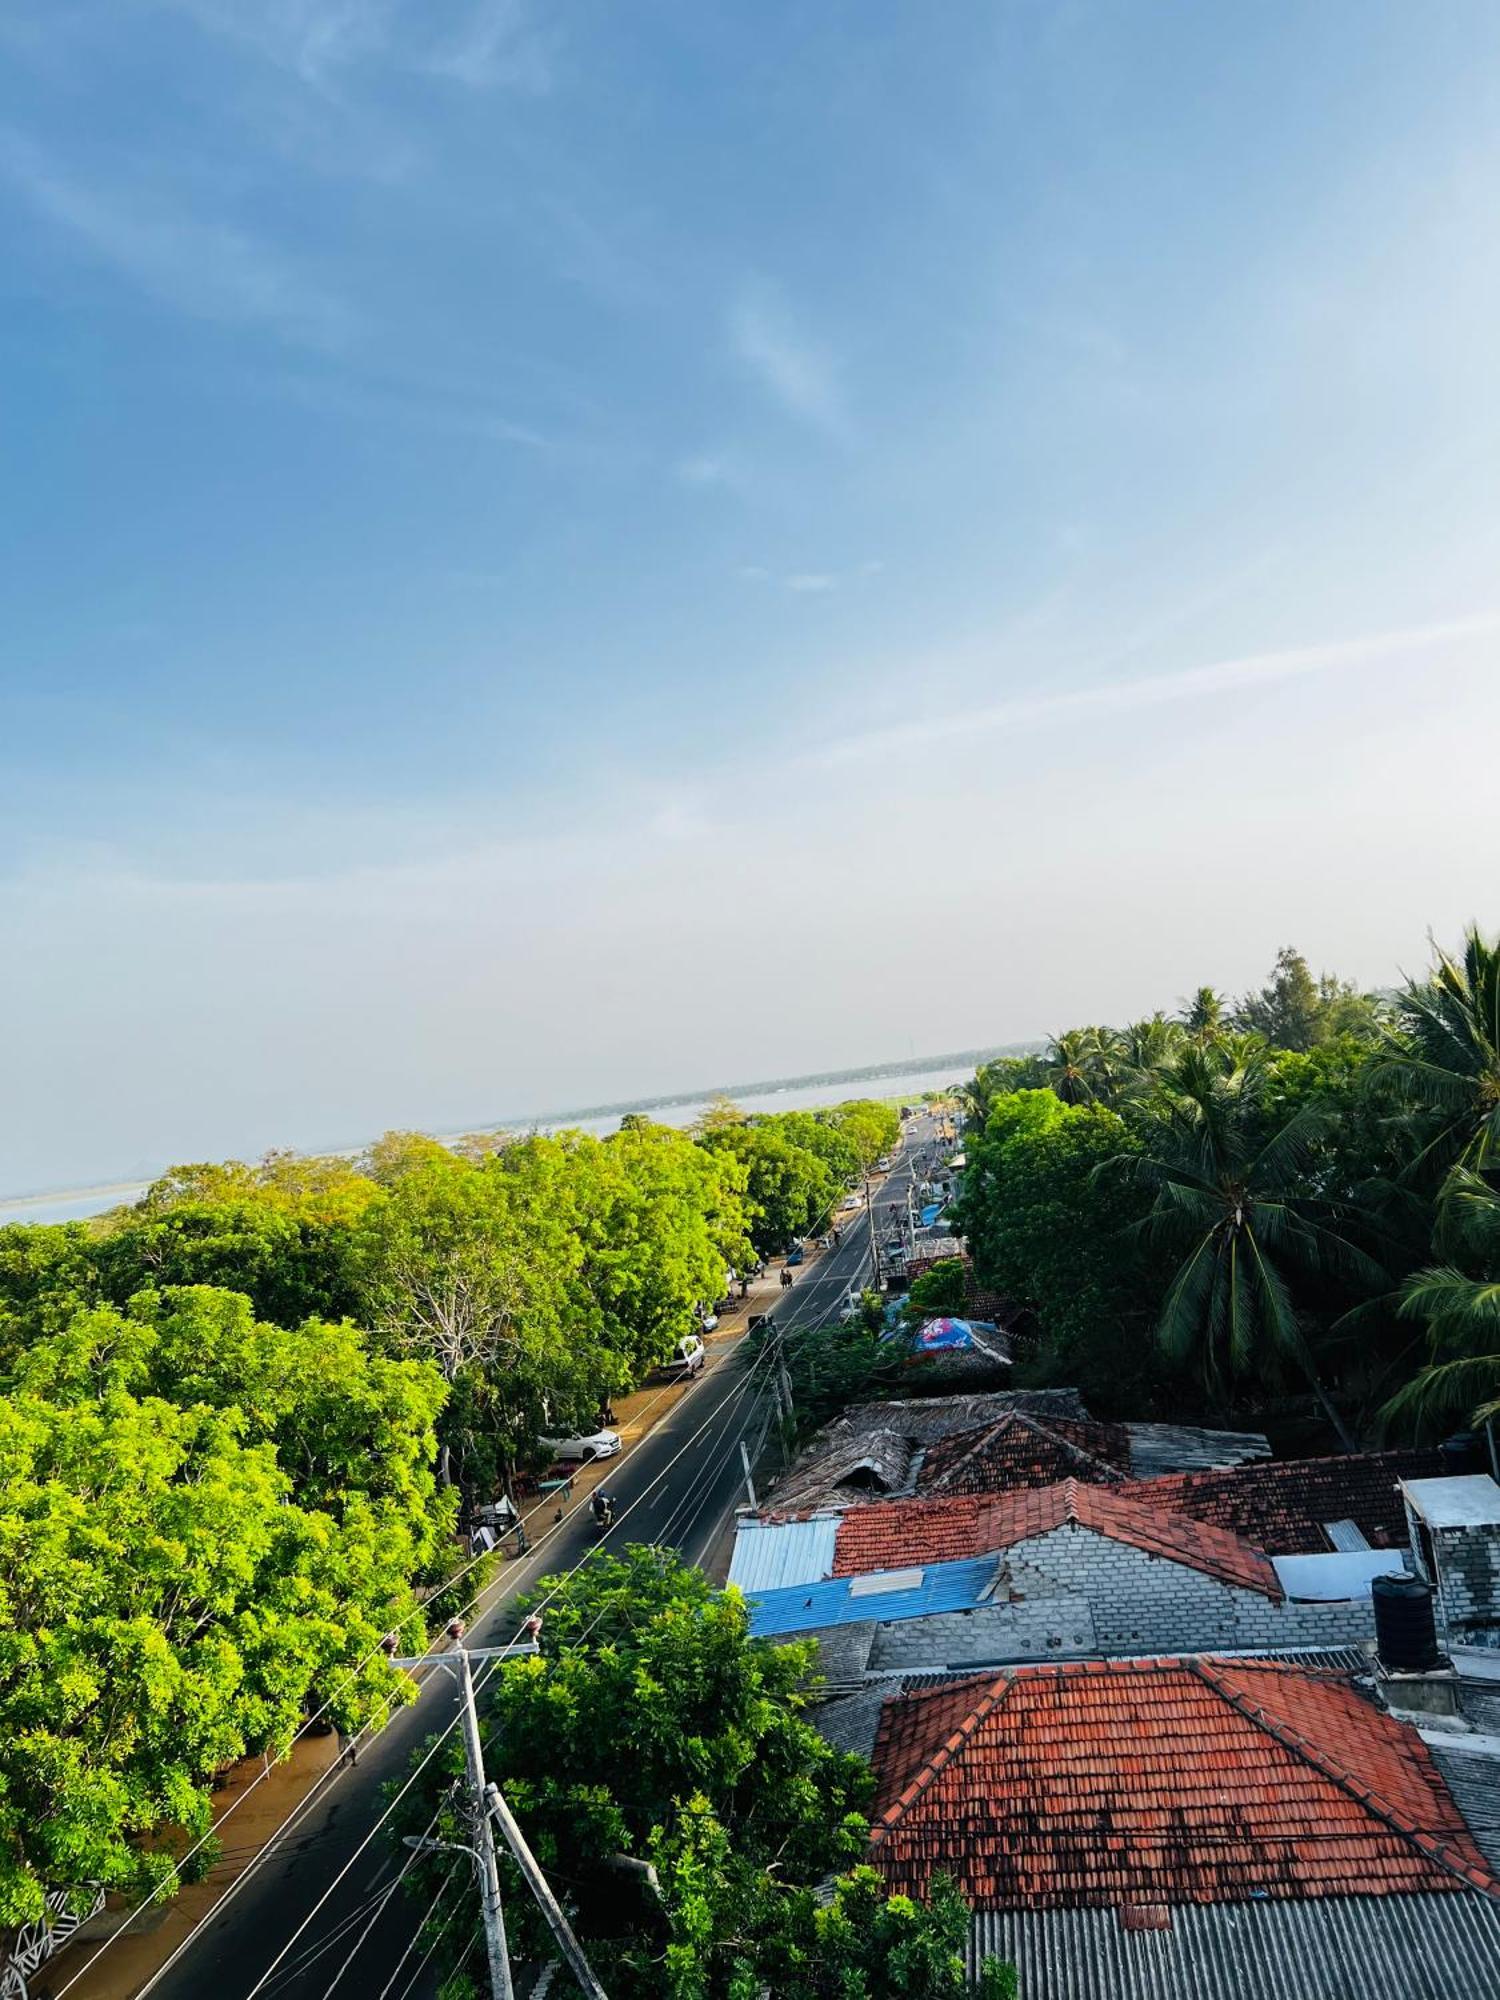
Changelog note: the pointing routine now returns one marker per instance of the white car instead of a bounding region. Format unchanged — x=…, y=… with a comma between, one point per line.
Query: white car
x=597, y=1444
x=850, y=1201
x=690, y=1354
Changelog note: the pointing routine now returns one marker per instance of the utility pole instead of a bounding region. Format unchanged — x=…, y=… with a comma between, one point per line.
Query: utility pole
x=539, y=1886
x=484, y=1833
x=749, y=1482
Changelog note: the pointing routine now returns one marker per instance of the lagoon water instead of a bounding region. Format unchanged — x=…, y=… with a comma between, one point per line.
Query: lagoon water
x=75, y=1203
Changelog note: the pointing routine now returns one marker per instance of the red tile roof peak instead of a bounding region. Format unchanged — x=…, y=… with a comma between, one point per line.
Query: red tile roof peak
x=1161, y=1781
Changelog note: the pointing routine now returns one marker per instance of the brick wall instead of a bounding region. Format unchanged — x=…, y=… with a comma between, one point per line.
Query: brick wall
x=1141, y=1602
x=1468, y=1580
x=1041, y=1629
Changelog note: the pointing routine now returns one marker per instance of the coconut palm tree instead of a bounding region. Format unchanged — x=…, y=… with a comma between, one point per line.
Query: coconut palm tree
x=1072, y=1065
x=1204, y=1015
x=1442, y=1060
x=1227, y=1205
x=1461, y=1312
x=1149, y=1045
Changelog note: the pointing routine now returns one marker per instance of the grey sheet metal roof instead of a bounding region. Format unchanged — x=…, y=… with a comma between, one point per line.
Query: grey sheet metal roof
x=1474, y=1780
x=1157, y=1449
x=1432, y=1947
x=772, y=1555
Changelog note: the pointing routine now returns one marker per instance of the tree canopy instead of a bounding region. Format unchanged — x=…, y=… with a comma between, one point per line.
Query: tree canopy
x=652, y=1726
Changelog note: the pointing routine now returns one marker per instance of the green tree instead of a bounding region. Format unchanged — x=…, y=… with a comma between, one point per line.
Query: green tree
x=862, y=1944
x=1441, y=1060
x=1226, y=1201
x=1050, y=1235
x=942, y=1289
x=165, y=1607
x=1286, y=1009
x=1205, y=1014
x=787, y=1188
x=1458, y=1303
x=343, y=1420
x=1295, y=1011
x=653, y=1726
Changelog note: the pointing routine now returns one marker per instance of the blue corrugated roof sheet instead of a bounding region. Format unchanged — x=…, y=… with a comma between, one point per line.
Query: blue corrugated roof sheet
x=954, y=1586
x=769, y=1555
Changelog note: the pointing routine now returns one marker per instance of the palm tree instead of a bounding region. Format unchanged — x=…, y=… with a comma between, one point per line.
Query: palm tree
x=1204, y=1015
x=1462, y=1313
x=1443, y=1058
x=1149, y=1045
x=1224, y=1202
x=1071, y=1066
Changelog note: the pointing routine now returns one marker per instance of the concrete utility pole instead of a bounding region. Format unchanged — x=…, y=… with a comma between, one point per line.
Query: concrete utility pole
x=484, y=1834
x=539, y=1886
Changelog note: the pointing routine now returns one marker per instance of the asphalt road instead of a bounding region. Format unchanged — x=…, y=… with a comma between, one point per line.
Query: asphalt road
x=324, y=1881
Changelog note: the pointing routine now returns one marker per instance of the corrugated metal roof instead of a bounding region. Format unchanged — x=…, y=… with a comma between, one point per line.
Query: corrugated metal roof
x=771, y=1555
x=1474, y=1780
x=1426, y=1947
x=954, y=1586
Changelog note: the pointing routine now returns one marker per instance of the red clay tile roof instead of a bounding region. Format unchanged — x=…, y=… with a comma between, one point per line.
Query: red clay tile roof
x=1017, y=1450
x=1282, y=1504
x=897, y=1533
x=1106, y=1782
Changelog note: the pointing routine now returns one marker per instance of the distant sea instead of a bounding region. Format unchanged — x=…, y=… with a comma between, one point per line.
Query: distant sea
x=803, y=1093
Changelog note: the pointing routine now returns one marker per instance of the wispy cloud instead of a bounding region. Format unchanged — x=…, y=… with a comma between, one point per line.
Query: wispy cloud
x=498, y=47
x=809, y=582
x=363, y=403
x=787, y=361
x=494, y=43
x=1152, y=690
x=312, y=38
x=208, y=269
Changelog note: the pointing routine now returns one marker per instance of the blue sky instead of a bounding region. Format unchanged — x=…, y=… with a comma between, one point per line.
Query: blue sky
x=560, y=550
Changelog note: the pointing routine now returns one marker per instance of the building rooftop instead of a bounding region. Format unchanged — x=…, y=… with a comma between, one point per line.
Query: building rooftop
x=873, y=1446
x=897, y=1533
x=1019, y=1450
x=1470, y=1501
x=1159, y=1783
x=1287, y=1506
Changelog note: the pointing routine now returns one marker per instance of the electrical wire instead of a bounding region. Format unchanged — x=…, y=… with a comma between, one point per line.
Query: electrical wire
x=336, y=1771
x=436, y=1658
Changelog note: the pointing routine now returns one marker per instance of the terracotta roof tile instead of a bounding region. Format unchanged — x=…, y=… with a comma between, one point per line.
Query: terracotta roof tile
x=1161, y=1781
x=899, y=1533
x=1019, y=1450
x=1282, y=1505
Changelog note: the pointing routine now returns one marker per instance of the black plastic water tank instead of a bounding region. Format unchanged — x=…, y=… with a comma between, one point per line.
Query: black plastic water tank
x=1405, y=1632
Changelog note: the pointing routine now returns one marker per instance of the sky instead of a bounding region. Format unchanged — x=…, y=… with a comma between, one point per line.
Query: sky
x=559, y=551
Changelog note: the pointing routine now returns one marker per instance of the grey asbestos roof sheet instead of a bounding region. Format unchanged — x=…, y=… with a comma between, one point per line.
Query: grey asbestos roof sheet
x=1443, y=1946
x=1474, y=1780
x=1157, y=1449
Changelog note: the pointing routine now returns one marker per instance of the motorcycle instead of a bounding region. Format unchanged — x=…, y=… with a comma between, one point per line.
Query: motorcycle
x=603, y=1509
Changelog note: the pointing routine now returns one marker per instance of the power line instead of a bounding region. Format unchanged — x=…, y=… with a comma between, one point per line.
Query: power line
x=331, y=1777
x=338, y=1771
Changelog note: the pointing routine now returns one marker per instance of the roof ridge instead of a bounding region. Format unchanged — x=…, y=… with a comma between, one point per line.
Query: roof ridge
x=1375, y=1803
x=1167, y=1523
x=942, y=1757
x=1047, y=1431
x=987, y=1432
